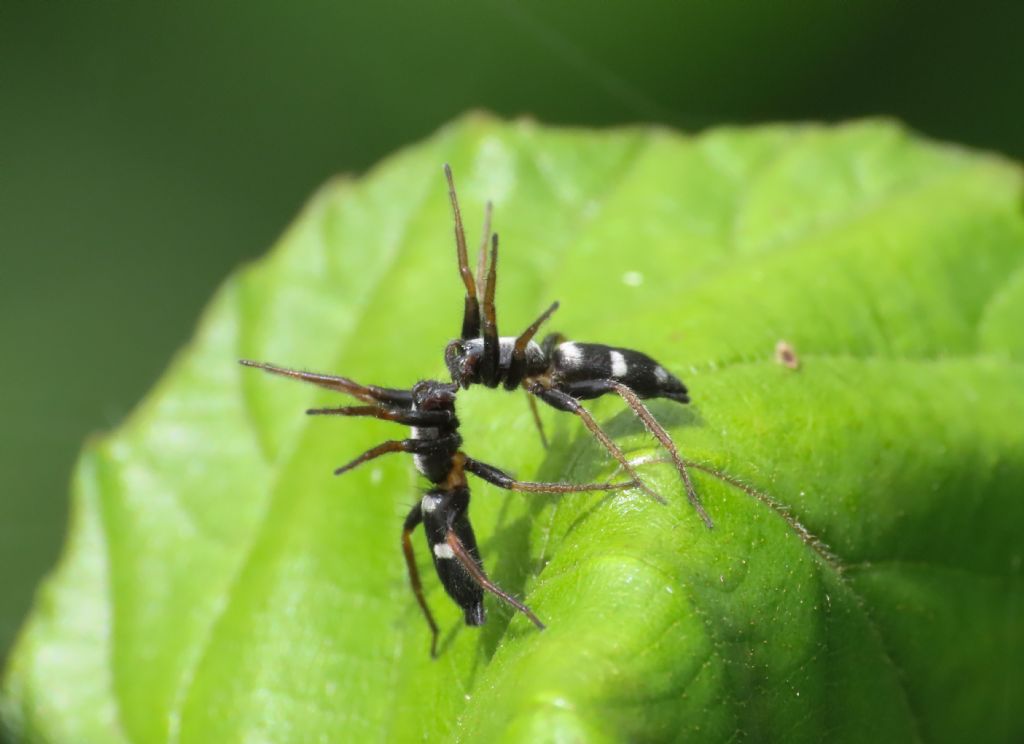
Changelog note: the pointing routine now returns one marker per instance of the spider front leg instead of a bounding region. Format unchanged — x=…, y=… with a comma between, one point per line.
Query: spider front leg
x=565, y=402
x=490, y=361
x=471, y=314
x=366, y=393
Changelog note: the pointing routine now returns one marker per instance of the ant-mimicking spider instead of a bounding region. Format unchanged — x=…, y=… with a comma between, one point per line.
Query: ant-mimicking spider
x=429, y=408
x=559, y=372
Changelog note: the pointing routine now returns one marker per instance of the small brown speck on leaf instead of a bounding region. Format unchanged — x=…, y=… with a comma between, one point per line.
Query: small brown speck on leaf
x=785, y=354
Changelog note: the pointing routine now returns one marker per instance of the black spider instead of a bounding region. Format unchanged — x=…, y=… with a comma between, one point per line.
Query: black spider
x=429, y=408
x=561, y=373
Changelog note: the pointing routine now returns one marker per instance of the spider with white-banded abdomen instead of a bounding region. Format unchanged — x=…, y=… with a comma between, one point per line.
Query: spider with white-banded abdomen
x=429, y=408
x=559, y=372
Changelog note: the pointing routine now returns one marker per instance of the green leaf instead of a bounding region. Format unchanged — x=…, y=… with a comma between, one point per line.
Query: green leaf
x=864, y=579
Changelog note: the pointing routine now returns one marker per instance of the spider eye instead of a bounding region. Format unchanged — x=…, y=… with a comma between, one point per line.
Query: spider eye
x=454, y=351
x=455, y=359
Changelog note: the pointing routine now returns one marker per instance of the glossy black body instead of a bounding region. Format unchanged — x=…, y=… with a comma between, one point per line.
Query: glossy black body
x=452, y=514
x=435, y=443
x=444, y=508
x=576, y=373
x=559, y=372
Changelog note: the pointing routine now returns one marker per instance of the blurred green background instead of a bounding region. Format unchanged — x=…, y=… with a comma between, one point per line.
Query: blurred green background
x=146, y=150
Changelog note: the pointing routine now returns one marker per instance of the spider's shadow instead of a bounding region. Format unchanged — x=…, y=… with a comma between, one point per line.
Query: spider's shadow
x=574, y=456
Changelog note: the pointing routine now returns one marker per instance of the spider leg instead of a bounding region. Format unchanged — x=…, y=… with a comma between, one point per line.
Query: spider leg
x=501, y=479
x=415, y=446
x=398, y=415
x=481, y=255
x=565, y=402
x=550, y=342
x=471, y=314
x=490, y=362
x=517, y=364
x=477, y=574
x=536, y=419
x=366, y=393
x=415, y=518
x=658, y=431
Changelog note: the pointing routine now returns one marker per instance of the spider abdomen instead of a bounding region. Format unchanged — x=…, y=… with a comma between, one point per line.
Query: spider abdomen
x=575, y=364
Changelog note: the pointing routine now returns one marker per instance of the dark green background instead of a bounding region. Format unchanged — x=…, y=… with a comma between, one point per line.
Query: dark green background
x=147, y=150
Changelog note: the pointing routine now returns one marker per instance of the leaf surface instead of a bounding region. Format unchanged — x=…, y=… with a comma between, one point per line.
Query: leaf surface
x=864, y=579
